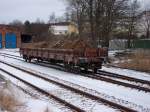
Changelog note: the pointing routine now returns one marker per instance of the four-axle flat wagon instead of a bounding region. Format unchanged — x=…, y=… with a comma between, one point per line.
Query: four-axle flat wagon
x=89, y=58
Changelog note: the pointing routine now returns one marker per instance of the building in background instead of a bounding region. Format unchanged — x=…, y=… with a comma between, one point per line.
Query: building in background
x=63, y=28
x=10, y=37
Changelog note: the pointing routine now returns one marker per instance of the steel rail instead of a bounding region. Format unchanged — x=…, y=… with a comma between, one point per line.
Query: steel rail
x=107, y=102
x=71, y=106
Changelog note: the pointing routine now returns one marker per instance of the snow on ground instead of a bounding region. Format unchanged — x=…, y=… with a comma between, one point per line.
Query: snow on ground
x=34, y=103
x=130, y=82
x=10, y=51
x=120, y=92
x=112, y=53
x=69, y=96
x=127, y=72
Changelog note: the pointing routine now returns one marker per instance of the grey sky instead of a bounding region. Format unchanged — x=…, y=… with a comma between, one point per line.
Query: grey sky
x=29, y=9
x=146, y=3
x=33, y=9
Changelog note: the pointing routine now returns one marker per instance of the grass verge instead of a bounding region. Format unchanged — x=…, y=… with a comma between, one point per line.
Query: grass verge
x=9, y=102
x=140, y=61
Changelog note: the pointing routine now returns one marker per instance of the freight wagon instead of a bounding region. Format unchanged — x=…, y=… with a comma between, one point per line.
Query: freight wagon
x=88, y=58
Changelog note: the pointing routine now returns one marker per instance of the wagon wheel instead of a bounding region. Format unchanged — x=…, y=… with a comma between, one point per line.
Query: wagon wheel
x=85, y=69
x=29, y=60
x=66, y=67
x=77, y=70
x=26, y=59
x=95, y=70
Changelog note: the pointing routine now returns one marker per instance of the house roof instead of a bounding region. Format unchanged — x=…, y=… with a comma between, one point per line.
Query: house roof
x=8, y=27
x=61, y=24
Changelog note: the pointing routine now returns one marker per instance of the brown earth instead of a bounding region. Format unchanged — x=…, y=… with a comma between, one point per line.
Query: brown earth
x=71, y=44
x=64, y=43
x=139, y=61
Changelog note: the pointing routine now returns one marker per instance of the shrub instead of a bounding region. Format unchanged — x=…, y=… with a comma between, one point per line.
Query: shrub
x=9, y=103
x=140, y=60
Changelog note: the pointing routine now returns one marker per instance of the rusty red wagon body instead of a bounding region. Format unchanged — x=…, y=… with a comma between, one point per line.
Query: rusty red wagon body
x=89, y=58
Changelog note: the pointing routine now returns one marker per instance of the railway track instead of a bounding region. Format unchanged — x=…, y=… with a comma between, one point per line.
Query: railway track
x=93, y=97
x=114, y=75
x=12, y=50
x=101, y=76
x=32, y=93
x=119, y=67
x=11, y=56
x=73, y=107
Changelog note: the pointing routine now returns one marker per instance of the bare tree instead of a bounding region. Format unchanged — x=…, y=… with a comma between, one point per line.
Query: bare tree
x=52, y=18
x=67, y=16
x=131, y=20
x=27, y=27
x=102, y=16
x=108, y=20
x=16, y=23
x=145, y=23
x=78, y=10
x=39, y=21
x=90, y=13
x=39, y=29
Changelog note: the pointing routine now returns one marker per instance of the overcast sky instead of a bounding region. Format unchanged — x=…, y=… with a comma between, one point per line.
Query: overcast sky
x=33, y=9
x=29, y=9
